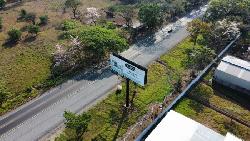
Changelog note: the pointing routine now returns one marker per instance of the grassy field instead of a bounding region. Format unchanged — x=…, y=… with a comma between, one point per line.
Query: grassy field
x=207, y=93
x=109, y=121
x=25, y=68
x=212, y=119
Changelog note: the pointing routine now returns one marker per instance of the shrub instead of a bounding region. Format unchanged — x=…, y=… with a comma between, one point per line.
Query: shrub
x=33, y=29
x=3, y=93
x=2, y=4
x=31, y=17
x=44, y=20
x=197, y=55
x=70, y=24
x=22, y=14
x=79, y=123
x=14, y=35
x=110, y=25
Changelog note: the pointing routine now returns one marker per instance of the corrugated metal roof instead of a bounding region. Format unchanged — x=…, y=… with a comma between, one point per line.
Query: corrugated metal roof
x=235, y=67
x=237, y=62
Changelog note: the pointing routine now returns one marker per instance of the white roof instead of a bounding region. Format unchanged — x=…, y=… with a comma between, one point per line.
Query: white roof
x=237, y=62
x=231, y=137
x=235, y=67
x=176, y=127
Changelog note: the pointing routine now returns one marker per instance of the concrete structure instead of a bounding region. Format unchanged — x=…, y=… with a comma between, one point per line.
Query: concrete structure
x=176, y=127
x=234, y=73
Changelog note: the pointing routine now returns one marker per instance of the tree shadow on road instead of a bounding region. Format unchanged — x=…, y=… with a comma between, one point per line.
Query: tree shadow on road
x=146, y=41
x=95, y=73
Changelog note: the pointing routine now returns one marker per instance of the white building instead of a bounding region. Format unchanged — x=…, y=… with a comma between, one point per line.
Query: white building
x=176, y=127
x=234, y=73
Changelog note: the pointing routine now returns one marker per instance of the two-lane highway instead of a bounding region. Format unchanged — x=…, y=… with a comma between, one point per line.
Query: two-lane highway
x=39, y=116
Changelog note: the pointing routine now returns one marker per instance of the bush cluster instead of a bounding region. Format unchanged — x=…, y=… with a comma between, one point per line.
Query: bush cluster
x=44, y=20
x=70, y=24
x=14, y=35
x=33, y=29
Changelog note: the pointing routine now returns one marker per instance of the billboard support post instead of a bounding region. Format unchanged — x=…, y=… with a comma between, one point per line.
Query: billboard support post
x=127, y=93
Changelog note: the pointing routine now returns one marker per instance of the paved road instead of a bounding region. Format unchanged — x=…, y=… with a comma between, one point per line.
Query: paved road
x=36, y=118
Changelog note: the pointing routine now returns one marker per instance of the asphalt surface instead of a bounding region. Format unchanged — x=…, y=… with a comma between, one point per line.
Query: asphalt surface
x=41, y=115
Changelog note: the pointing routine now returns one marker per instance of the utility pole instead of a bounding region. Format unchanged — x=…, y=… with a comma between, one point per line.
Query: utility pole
x=127, y=93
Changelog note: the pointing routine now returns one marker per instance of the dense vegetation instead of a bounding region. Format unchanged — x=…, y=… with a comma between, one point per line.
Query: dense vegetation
x=90, y=45
x=218, y=28
x=154, y=14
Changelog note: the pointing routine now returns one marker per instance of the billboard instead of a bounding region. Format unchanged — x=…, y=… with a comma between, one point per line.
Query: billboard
x=128, y=69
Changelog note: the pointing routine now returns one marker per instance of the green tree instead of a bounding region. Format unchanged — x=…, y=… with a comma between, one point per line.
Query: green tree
x=2, y=4
x=73, y=4
x=89, y=45
x=128, y=15
x=151, y=15
x=199, y=57
x=14, y=35
x=191, y=4
x=78, y=123
x=33, y=29
x=221, y=34
x=236, y=12
x=230, y=9
x=99, y=41
x=174, y=8
x=196, y=28
x=44, y=20
x=179, y=6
